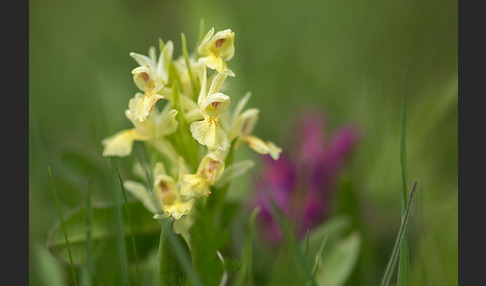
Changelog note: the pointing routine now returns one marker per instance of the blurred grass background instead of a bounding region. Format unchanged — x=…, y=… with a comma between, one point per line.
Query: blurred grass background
x=346, y=58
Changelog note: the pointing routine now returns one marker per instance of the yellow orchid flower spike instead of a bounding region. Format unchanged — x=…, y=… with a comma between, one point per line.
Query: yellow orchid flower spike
x=211, y=104
x=216, y=49
x=166, y=200
x=150, y=77
x=156, y=126
x=242, y=125
x=191, y=86
x=210, y=169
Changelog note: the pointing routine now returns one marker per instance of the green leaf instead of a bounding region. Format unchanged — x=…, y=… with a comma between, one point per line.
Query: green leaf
x=207, y=237
x=245, y=275
x=291, y=240
x=145, y=229
x=333, y=227
x=339, y=261
x=173, y=257
x=43, y=269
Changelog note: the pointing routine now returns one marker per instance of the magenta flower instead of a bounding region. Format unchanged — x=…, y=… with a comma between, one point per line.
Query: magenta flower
x=302, y=180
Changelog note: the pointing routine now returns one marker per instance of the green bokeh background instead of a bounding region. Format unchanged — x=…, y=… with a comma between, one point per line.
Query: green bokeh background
x=347, y=59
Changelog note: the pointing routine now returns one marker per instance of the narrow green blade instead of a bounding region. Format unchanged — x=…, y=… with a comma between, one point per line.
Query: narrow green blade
x=195, y=88
x=318, y=255
x=307, y=243
x=89, y=242
x=403, y=263
x=292, y=240
x=245, y=275
x=393, y=258
x=146, y=231
x=118, y=221
x=63, y=228
x=132, y=236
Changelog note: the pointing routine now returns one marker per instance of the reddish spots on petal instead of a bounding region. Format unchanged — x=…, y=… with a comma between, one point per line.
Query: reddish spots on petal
x=164, y=187
x=215, y=104
x=209, y=172
x=213, y=165
x=219, y=42
x=145, y=76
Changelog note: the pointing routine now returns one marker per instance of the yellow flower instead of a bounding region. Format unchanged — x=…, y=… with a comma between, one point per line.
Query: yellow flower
x=242, y=125
x=211, y=104
x=157, y=125
x=150, y=77
x=217, y=49
x=166, y=200
x=259, y=146
x=210, y=169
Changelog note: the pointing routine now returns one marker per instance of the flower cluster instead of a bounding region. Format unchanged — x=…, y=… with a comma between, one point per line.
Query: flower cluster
x=301, y=183
x=194, y=129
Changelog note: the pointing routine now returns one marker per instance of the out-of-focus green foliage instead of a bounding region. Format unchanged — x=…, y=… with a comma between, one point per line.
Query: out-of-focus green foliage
x=345, y=58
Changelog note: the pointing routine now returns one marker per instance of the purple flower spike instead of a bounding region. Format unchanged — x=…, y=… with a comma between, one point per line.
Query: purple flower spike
x=311, y=133
x=302, y=182
x=342, y=144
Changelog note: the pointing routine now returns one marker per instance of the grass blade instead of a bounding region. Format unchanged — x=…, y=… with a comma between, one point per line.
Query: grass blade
x=403, y=157
x=307, y=243
x=188, y=65
x=132, y=236
x=103, y=239
x=292, y=240
x=120, y=239
x=318, y=255
x=89, y=242
x=202, y=33
x=224, y=278
x=245, y=275
x=403, y=263
x=63, y=228
x=393, y=258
